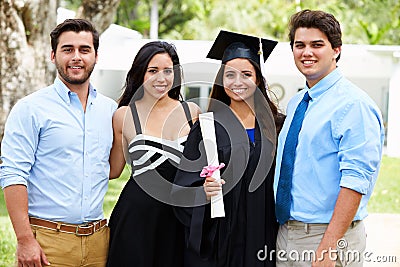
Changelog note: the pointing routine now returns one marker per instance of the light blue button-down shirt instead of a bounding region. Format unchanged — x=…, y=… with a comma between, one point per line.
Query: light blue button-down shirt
x=340, y=145
x=59, y=152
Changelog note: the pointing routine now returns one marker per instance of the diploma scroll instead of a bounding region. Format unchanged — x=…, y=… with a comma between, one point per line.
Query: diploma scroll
x=210, y=144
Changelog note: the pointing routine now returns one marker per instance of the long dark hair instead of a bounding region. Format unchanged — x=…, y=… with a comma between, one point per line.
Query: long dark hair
x=218, y=90
x=135, y=77
x=269, y=121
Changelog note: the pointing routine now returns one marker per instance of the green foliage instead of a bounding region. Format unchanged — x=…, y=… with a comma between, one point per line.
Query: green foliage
x=373, y=22
x=256, y=17
x=173, y=15
x=362, y=21
x=134, y=15
x=71, y=4
x=114, y=190
x=3, y=209
x=7, y=241
x=386, y=195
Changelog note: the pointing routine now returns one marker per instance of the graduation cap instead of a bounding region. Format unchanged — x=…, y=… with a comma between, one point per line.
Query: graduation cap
x=230, y=45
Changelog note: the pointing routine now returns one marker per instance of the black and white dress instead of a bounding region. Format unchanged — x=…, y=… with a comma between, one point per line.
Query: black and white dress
x=144, y=229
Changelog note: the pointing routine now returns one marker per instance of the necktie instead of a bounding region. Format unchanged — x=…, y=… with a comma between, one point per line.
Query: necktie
x=283, y=200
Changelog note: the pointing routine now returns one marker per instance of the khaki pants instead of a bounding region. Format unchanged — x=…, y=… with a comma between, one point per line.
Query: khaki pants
x=69, y=250
x=297, y=242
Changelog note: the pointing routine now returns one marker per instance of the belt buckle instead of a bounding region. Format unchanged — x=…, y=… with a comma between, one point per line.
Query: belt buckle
x=84, y=226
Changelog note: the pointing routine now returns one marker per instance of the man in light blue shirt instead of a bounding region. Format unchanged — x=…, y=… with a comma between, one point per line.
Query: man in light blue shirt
x=55, y=154
x=337, y=156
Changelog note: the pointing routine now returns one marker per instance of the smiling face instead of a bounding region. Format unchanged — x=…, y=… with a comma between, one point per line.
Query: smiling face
x=159, y=76
x=313, y=54
x=239, y=79
x=75, y=57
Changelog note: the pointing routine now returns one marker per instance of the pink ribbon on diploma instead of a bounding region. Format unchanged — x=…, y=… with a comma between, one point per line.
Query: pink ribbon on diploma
x=209, y=170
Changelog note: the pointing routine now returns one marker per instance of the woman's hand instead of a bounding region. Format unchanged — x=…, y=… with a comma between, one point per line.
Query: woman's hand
x=212, y=186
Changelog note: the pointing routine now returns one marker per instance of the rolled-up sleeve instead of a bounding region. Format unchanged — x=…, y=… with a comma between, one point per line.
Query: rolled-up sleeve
x=361, y=138
x=18, y=145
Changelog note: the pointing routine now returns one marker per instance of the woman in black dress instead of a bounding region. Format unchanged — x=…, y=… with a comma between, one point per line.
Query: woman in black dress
x=246, y=126
x=150, y=129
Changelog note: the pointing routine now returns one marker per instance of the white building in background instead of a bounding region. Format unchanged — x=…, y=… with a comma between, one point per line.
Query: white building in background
x=375, y=69
x=63, y=14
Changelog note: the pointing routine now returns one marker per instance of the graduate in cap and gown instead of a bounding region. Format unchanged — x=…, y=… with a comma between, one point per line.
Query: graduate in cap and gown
x=246, y=125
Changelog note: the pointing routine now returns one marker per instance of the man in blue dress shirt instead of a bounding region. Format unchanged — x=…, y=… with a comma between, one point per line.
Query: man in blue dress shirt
x=337, y=157
x=55, y=153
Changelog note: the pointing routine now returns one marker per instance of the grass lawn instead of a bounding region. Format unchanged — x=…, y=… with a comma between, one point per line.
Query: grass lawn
x=386, y=195
x=385, y=199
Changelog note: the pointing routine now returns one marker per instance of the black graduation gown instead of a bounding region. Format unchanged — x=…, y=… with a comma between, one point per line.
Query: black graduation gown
x=249, y=227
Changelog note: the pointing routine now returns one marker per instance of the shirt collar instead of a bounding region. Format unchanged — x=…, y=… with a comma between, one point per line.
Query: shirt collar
x=324, y=84
x=64, y=92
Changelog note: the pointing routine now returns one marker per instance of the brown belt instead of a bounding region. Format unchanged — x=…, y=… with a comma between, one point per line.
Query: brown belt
x=77, y=229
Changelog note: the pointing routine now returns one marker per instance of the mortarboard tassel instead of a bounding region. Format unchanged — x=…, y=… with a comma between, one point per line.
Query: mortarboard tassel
x=262, y=67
